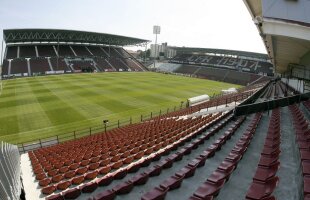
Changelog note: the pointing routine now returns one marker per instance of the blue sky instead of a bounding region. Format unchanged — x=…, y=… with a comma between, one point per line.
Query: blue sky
x=222, y=24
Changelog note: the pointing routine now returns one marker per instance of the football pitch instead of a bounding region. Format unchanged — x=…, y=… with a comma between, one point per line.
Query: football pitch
x=39, y=107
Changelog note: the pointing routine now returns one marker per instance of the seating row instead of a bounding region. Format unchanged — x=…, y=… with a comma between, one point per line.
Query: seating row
x=210, y=188
x=302, y=131
x=265, y=179
x=64, y=170
x=98, y=169
x=175, y=181
x=105, y=180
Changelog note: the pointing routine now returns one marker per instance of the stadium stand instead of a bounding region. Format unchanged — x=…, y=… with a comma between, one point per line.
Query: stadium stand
x=78, y=56
x=80, y=50
x=75, y=162
x=245, y=65
x=59, y=64
x=27, y=51
x=225, y=75
x=11, y=52
x=19, y=66
x=39, y=64
x=46, y=51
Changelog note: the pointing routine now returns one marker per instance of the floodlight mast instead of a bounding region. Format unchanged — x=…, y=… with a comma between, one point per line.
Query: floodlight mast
x=156, y=30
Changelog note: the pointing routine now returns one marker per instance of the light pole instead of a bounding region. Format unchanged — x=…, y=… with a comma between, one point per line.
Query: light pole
x=156, y=31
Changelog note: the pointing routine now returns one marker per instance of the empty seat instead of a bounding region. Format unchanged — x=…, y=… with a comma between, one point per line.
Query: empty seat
x=260, y=190
x=186, y=171
x=103, y=181
x=265, y=173
x=172, y=182
x=105, y=195
x=156, y=193
x=72, y=193
x=88, y=187
x=123, y=188
x=63, y=185
x=140, y=179
x=208, y=189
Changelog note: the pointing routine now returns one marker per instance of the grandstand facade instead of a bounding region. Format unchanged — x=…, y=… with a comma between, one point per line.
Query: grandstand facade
x=32, y=52
x=225, y=59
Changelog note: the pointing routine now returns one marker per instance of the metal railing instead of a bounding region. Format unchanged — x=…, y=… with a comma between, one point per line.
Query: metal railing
x=10, y=183
x=76, y=134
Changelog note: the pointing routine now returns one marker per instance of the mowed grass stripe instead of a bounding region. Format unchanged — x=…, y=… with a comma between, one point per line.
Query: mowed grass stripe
x=85, y=103
x=64, y=114
x=79, y=101
x=31, y=116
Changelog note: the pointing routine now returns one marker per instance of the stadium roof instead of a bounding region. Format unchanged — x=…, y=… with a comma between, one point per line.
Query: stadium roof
x=12, y=36
x=222, y=51
x=286, y=35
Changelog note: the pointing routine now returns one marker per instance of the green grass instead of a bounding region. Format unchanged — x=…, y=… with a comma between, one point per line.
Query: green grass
x=38, y=107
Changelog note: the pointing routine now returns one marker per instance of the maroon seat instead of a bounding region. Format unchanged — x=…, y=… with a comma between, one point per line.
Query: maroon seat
x=233, y=157
x=140, y=179
x=213, y=147
x=267, y=161
x=123, y=188
x=72, y=193
x=219, y=175
x=265, y=173
x=167, y=163
x=55, y=197
x=156, y=193
x=104, y=181
x=88, y=187
x=260, y=190
x=173, y=182
x=304, y=155
x=175, y=157
x=154, y=170
x=306, y=185
x=134, y=168
x=105, y=195
x=305, y=167
x=208, y=189
x=120, y=174
x=207, y=154
x=186, y=171
x=307, y=197
x=146, y=162
x=239, y=150
x=157, y=157
x=197, y=162
x=197, y=198
x=227, y=165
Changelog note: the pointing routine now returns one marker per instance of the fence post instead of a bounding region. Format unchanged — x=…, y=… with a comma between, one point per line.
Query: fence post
x=89, y=130
x=23, y=148
x=151, y=114
x=105, y=127
x=117, y=123
x=57, y=139
x=141, y=118
x=40, y=143
x=174, y=108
